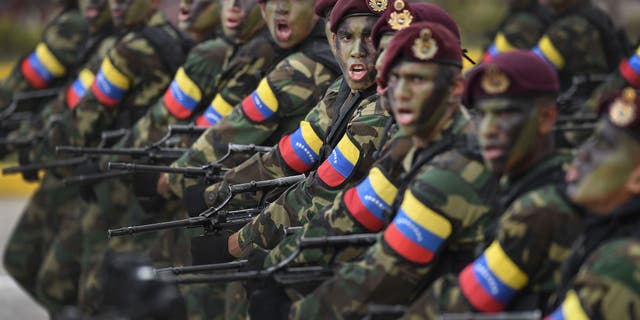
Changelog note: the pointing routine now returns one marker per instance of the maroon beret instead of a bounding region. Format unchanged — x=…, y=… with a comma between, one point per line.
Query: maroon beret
x=622, y=109
x=421, y=42
x=517, y=73
x=401, y=14
x=345, y=8
x=322, y=5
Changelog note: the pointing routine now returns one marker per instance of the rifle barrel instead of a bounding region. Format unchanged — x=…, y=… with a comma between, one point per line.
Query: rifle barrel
x=47, y=165
x=333, y=241
x=189, y=222
x=204, y=267
x=265, y=184
x=153, y=168
x=186, y=129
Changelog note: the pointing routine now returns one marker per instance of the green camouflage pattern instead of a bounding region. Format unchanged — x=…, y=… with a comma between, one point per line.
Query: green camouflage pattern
x=453, y=185
x=536, y=233
x=521, y=29
x=63, y=36
x=298, y=82
x=607, y=285
x=297, y=205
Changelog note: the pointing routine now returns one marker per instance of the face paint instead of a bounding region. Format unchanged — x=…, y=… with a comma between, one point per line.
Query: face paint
x=418, y=97
x=289, y=21
x=508, y=133
x=126, y=13
x=332, y=43
x=198, y=15
x=96, y=12
x=241, y=19
x=602, y=166
x=384, y=42
x=355, y=51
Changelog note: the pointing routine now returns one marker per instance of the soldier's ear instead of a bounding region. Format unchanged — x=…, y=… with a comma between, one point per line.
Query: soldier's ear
x=547, y=119
x=262, y=11
x=633, y=182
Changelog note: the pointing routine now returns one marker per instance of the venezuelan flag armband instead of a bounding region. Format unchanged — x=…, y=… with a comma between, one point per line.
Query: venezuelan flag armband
x=42, y=67
x=417, y=232
x=368, y=201
x=341, y=163
x=76, y=91
x=262, y=104
x=548, y=51
x=218, y=109
x=500, y=45
x=492, y=280
x=571, y=309
x=110, y=85
x=630, y=69
x=182, y=96
x=301, y=149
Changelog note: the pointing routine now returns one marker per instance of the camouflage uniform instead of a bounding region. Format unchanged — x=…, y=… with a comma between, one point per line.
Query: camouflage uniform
x=53, y=60
x=285, y=95
x=606, y=286
x=454, y=191
x=533, y=238
x=520, y=29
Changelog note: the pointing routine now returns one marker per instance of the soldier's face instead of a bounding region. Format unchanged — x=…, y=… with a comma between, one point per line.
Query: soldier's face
x=411, y=93
x=241, y=18
x=355, y=51
x=96, y=12
x=508, y=132
x=289, y=21
x=198, y=15
x=384, y=42
x=602, y=167
x=127, y=13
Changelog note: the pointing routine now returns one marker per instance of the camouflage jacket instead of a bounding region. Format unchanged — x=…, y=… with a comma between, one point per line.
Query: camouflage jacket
x=520, y=268
x=520, y=29
x=54, y=59
x=580, y=42
x=281, y=99
x=441, y=215
x=215, y=77
x=607, y=286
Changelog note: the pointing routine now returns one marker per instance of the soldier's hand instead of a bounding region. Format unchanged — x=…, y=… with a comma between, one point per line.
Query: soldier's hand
x=163, y=187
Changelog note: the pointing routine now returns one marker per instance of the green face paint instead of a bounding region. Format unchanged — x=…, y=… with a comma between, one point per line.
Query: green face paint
x=289, y=21
x=417, y=96
x=96, y=12
x=127, y=13
x=602, y=166
x=384, y=42
x=355, y=52
x=508, y=133
x=198, y=15
x=241, y=19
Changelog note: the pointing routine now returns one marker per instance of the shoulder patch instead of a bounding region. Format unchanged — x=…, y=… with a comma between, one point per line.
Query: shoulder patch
x=417, y=232
x=182, y=96
x=492, y=280
x=571, y=309
x=262, y=104
x=340, y=164
x=218, y=109
x=548, y=51
x=76, y=91
x=368, y=201
x=41, y=67
x=110, y=84
x=300, y=150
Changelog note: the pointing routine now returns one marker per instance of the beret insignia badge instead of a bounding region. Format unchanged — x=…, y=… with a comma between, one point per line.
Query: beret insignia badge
x=425, y=47
x=378, y=5
x=401, y=17
x=623, y=110
x=494, y=81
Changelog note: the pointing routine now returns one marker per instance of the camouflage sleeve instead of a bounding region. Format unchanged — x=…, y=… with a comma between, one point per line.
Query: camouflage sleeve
x=534, y=238
x=347, y=164
x=520, y=31
x=131, y=76
x=572, y=43
x=53, y=58
x=276, y=106
x=440, y=214
x=606, y=286
x=193, y=85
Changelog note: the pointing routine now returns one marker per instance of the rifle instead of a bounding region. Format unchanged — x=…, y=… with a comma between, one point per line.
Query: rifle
x=175, y=129
x=211, y=172
x=214, y=218
x=152, y=153
x=281, y=272
x=204, y=267
x=106, y=138
x=29, y=95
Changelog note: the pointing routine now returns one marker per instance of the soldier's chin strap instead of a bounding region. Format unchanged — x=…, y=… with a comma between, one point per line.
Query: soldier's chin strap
x=466, y=56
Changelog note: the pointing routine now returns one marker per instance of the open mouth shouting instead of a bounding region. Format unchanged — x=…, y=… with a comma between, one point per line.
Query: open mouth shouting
x=492, y=152
x=232, y=21
x=357, y=71
x=404, y=115
x=283, y=30
x=92, y=13
x=185, y=14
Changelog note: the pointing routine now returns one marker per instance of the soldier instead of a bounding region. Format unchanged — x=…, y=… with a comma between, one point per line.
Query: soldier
x=278, y=103
x=524, y=23
x=199, y=18
x=582, y=45
x=52, y=61
x=337, y=218
x=604, y=178
x=515, y=95
x=627, y=74
x=441, y=210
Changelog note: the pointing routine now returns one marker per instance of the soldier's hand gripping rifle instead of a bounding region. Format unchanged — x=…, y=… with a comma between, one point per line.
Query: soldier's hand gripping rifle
x=215, y=218
x=12, y=110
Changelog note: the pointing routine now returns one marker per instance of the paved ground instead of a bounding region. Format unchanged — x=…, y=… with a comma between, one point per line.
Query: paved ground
x=14, y=303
